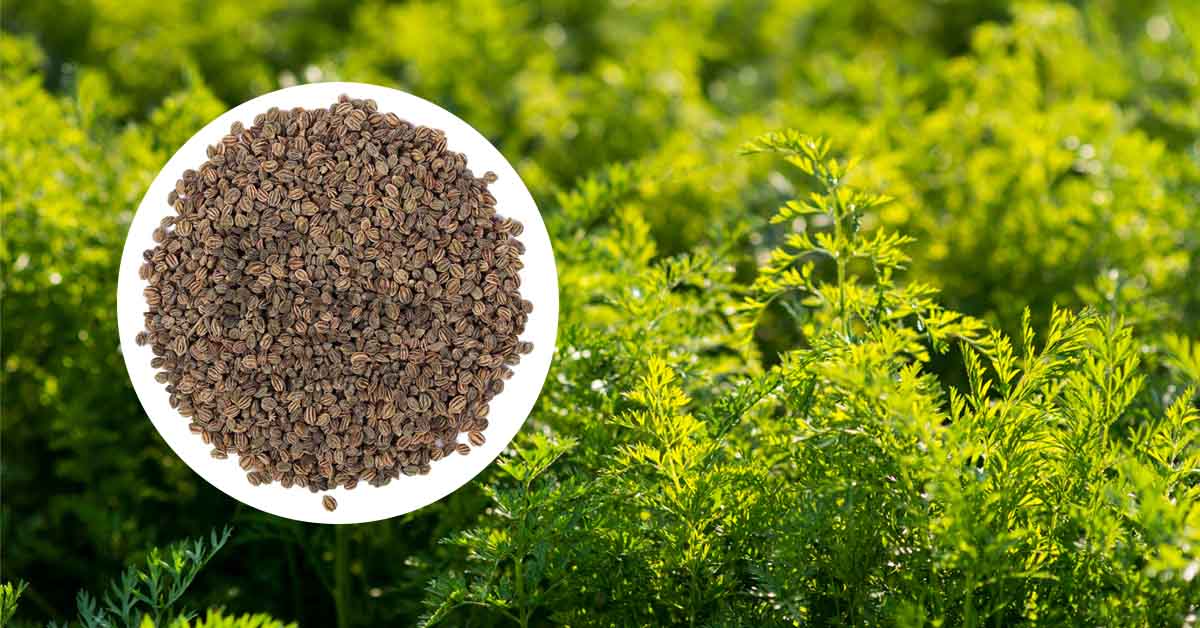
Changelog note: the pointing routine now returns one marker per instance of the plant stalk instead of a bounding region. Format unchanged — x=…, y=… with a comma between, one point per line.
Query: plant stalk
x=341, y=577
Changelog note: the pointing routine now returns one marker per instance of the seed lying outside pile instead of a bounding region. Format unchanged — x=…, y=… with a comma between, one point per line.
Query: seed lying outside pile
x=336, y=299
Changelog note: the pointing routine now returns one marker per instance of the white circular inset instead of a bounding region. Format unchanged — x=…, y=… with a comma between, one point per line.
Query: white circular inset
x=508, y=410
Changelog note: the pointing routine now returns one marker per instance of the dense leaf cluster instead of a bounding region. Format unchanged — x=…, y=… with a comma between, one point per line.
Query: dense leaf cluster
x=780, y=397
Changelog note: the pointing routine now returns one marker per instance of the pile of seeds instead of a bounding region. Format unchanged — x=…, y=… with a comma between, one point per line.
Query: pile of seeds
x=336, y=300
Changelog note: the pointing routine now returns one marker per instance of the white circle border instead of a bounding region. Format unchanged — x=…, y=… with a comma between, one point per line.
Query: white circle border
x=508, y=410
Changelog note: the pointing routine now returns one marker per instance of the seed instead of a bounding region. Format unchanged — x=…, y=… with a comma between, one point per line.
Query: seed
x=335, y=299
x=329, y=503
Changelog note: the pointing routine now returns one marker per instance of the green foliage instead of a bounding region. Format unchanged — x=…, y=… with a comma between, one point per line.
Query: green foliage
x=780, y=397
x=791, y=268
x=62, y=240
x=149, y=595
x=1021, y=497
x=9, y=594
x=1054, y=163
x=215, y=619
x=847, y=485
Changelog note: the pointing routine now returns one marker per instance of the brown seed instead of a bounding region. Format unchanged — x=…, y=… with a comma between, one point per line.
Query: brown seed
x=329, y=503
x=334, y=296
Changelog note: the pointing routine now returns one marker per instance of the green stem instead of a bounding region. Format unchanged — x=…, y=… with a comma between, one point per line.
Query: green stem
x=841, y=266
x=519, y=567
x=293, y=575
x=831, y=186
x=841, y=272
x=341, y=577
x=969, y=604
x=519, y=576
x=694, y=594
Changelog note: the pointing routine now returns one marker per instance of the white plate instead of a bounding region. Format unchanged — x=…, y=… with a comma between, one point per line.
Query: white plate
x=509, y=409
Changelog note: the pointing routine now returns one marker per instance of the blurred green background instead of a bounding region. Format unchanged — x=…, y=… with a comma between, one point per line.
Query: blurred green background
x=1040, y=152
